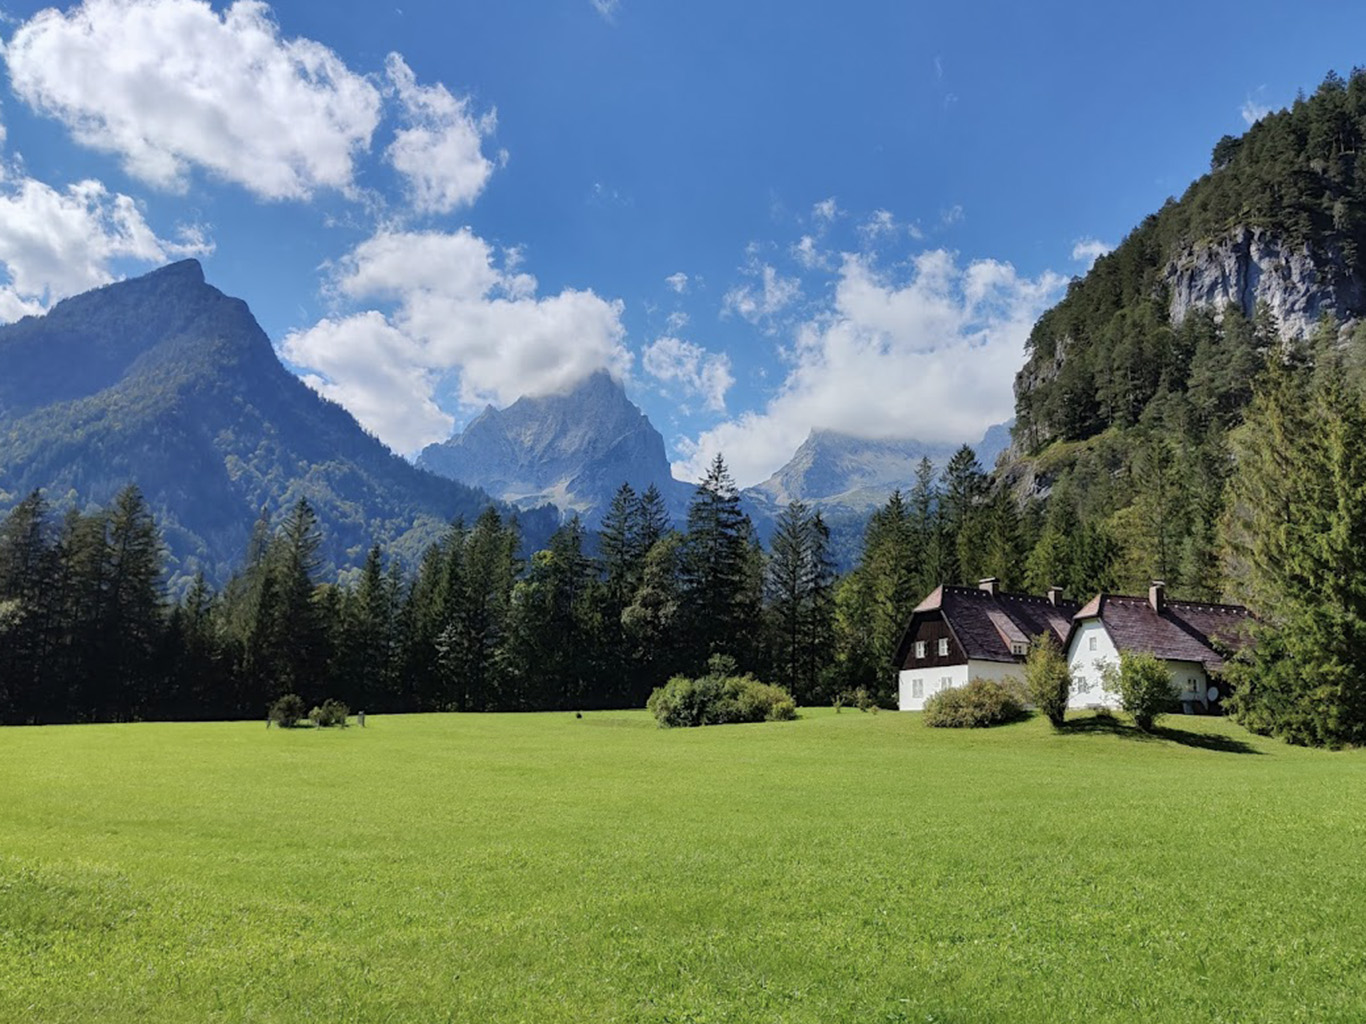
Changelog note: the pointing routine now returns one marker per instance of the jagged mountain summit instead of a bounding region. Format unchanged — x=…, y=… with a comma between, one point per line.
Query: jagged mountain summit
x=165, y=382
x=573, y=450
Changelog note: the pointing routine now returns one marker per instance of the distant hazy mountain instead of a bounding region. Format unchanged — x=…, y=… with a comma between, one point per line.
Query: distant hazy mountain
x=165, y=382
x=847, y=477
x=573, y=450
x=831, y=468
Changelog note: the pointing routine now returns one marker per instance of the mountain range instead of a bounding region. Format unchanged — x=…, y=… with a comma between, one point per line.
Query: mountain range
x=166, y=382
x=575, y=449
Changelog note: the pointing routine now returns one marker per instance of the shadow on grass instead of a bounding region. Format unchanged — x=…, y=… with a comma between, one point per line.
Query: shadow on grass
x=1117, y=727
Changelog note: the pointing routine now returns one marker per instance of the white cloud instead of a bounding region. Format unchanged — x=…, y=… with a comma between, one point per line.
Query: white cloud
x=378, y=373
x=930, y=356
x=1253, y=111
x=677, y=320
x=452, y=312
x=700, y=372
x=761, y=301
x=607, y=8
x=439, y=152
x=58, y=243
x=170, y=84
x=1088, y=250
x=951, y=216
x=825, y=211
x=808, y=255
x=678, y=282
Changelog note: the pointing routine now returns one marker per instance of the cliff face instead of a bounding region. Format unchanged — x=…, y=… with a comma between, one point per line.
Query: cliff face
x=1251, y=266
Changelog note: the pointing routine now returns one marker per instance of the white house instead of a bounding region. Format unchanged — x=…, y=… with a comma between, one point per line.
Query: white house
x=962, y=633
x=1192, y=637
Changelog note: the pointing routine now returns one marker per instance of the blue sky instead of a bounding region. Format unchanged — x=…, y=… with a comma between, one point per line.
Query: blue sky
x=766, y=217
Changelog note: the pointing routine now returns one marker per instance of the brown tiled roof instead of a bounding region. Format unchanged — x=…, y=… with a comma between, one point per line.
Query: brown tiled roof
x=986, y=624
x=1183, y=631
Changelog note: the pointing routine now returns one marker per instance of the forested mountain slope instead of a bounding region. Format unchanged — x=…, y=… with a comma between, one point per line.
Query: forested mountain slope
x=1133, y=382
x=165, y=382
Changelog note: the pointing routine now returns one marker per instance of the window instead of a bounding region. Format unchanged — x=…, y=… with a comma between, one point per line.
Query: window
x=945, y=682
x=1091, y=643
x=919, y=650
x=917, y=687
x=944, y=647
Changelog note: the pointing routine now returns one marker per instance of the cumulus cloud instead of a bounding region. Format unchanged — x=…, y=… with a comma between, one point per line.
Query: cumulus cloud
x=763, y=299
x=825, y=211
x=452, y=312
x=929, y=355
x=55, y=243
x=439, y=151
x=700, y=372
x=168, y=85
x=678, y=282
x=1087, y=250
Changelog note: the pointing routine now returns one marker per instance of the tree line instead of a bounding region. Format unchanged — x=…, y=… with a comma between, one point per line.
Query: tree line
x=594, y=620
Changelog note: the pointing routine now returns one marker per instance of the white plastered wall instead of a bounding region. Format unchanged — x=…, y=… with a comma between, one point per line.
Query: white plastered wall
x=1092, y=649
x=932, y=680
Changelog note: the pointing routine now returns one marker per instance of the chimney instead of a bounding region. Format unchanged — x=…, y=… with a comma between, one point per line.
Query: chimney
x=990, y=585
x=1054, y=595
x=1157, y=596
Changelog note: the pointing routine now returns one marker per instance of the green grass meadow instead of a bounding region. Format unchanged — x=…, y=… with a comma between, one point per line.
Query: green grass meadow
x=541, y=868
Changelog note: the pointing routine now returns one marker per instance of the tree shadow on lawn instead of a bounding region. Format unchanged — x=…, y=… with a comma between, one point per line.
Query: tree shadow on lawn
x=1200, y=740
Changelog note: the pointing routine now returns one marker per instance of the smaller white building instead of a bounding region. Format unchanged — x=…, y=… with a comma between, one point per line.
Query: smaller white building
x=1190, y=637
x=961, y=633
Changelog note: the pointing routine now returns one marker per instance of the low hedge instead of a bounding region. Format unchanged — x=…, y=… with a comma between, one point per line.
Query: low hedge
x=719, y=700
x=981, y=703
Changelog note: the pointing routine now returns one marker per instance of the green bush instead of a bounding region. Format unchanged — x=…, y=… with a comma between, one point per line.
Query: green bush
x=329, y=713
x=982, y=702
x=1145, y=687
x=719, y=700
x=1047, y=680
x=287, y=711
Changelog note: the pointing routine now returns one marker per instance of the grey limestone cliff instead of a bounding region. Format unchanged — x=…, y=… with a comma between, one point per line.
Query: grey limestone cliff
x=1250, y=266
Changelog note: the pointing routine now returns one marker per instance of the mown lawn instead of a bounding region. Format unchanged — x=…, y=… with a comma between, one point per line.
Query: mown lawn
x=541, y=868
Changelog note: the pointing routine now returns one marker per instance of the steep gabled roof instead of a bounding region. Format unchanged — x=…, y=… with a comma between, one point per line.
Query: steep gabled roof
x=1182, y=631
x=986, y=625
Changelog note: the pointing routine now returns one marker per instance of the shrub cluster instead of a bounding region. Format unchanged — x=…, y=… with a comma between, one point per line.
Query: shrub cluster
x=982, y=702
x=288, y=712
x=719, y=699
x=329, y=713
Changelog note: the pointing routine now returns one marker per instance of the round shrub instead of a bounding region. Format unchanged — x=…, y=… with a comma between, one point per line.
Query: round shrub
x=982, y=702
x=287, y=711
x=1145, y=688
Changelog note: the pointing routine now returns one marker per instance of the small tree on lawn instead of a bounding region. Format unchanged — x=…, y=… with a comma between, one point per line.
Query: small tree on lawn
x=1048, y=682
x=1145, y=687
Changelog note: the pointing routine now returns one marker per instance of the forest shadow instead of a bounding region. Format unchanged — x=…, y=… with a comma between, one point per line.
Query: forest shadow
x=1199, y=740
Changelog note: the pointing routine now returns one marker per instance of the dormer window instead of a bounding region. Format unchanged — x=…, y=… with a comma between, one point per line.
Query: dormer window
x=1019, y=648
x=920, y=650
x=944, y=647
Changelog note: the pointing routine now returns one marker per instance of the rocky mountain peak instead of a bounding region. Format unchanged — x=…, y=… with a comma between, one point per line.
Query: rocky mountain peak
x=572, y=449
